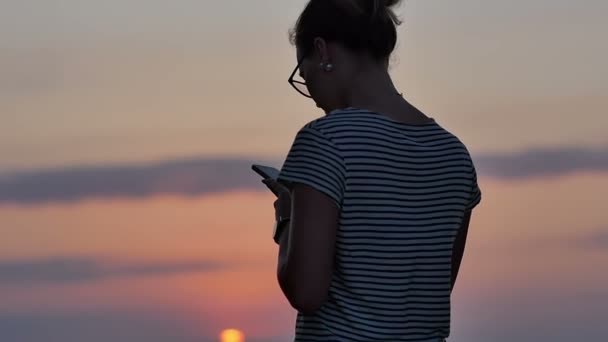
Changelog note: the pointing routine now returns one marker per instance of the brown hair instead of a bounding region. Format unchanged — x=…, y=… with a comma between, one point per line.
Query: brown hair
x=360, y=25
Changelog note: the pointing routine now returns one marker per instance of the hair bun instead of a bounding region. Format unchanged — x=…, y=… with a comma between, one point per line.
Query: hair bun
x=371, y=7
x=391, y=3
x=363, y=26
x=384, y=9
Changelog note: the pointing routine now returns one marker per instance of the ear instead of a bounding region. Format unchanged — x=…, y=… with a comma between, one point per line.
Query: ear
x=322, y=50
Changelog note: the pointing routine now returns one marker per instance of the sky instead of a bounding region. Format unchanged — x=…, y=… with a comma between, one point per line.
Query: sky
x=128, y=211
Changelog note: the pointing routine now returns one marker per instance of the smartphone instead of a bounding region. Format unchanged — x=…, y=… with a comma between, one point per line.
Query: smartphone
x=265, y=171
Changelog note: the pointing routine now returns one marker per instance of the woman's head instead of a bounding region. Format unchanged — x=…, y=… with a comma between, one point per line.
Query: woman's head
x=336, y=38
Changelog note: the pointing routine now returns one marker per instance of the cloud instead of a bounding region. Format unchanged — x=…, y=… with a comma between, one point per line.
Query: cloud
x=532, y=313
x=595, y=239
x=183, y=177
x=542, y=162
x=135, y=325
x=101, y=326
x=65, y=270
x=196, y=177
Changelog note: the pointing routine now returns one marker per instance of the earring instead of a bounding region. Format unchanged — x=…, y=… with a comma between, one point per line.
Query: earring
x=327, y=67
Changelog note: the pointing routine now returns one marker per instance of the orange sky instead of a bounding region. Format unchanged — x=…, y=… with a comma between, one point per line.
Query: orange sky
x=114, y=82
x=527, y=238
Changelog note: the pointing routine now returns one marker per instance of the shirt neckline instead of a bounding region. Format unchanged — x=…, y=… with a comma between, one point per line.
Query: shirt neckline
x=430, y=122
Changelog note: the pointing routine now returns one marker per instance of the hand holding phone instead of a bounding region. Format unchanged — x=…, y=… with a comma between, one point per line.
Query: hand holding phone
x=270, y=175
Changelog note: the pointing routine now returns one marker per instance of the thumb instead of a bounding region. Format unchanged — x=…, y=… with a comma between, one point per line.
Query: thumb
x=272, y=185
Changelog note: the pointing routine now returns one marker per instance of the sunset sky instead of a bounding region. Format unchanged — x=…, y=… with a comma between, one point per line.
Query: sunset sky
x=128, y=211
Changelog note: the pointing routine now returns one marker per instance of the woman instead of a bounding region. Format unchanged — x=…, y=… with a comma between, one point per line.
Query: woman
x=373, y=219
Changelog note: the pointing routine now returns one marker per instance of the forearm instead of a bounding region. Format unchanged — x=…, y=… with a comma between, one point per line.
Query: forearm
x=456, y=261
x=282, y=270
x=457, y=254
x=459, y=246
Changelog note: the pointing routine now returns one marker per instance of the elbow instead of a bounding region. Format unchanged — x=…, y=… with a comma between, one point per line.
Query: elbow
x=308, y=304
x=304, y=297
x=306, y=292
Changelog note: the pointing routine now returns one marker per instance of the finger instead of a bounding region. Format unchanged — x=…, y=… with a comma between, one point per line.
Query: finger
x=270, y=184
x=272, y=188
x=276, y=186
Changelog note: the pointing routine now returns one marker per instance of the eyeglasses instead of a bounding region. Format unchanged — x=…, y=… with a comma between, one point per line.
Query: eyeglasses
x=299, y=86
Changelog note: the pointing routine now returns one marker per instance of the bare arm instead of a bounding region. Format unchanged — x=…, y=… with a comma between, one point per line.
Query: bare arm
x=459, y=244
x=307, y=248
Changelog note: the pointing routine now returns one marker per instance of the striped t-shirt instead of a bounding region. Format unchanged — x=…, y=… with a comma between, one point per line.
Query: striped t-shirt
x=402, y=191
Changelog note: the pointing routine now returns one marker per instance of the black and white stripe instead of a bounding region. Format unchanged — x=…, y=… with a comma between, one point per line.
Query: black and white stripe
x=402, y=191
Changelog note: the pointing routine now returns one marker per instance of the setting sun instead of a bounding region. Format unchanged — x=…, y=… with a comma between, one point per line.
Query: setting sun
x=232, y=335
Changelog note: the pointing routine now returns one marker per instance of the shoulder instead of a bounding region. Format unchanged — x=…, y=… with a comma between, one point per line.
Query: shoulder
x=337, y=120
x=341, y=115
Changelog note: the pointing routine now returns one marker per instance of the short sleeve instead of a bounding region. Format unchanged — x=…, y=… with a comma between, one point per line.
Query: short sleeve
x=475, y=194
x=315, y=160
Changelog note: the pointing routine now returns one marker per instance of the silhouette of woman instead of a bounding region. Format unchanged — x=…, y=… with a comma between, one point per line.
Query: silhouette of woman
x=373, y=221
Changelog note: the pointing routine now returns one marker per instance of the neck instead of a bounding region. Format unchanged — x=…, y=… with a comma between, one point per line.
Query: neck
x=371, y=88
